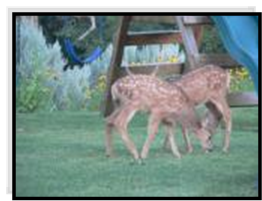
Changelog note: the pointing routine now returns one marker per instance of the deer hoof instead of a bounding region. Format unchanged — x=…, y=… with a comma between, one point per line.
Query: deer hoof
x=225, y=150
x=190, y=150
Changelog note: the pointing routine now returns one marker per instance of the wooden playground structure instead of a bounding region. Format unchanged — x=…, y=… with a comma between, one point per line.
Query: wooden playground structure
x=189, y=34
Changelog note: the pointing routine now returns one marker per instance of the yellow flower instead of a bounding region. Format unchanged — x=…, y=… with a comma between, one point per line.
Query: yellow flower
x=132, y=64
x=173, y=59
x=159, y=59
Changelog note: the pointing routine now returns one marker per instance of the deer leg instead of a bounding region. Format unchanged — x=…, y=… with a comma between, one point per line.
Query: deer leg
x=108, y=134
x=121, y=122
x=172, y=142
x=166, y=124
x=223, y=107
x=186, y=138
x=152, y=131
x=129, y=144
x=189, y=146
x=212, y=118
x=193, y=122
x=166, y=145
x=109, y=140
x=228, y=123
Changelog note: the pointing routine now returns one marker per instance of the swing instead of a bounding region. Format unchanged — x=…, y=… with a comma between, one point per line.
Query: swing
x=74, y=58
x=69, y=47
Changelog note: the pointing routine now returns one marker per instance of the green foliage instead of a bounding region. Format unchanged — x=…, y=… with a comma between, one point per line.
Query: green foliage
x=240, y=80
x=35, y=86
x=211, y=42
x=42, y=82
x=97, y=94
x=31, y=94
x=71, y=27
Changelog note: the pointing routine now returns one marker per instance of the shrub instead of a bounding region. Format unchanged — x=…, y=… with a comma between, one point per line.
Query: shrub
x=240, y=80
x=96, y=94
x=32, y=90
x=211, y=42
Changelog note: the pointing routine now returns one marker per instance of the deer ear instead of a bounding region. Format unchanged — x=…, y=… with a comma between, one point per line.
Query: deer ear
x=128, y=71
x=154, y=73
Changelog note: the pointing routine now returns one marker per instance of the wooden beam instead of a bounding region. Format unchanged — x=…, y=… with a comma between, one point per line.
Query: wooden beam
x=154, y=19
x=116, y=60
x=188, y=20
x=198, y=32
x=164, y=69
x=223, y=60
x=196, y=20
x=242, y=99
x=157, y=37
x=189, y=42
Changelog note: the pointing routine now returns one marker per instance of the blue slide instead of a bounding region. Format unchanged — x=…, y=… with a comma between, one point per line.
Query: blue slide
x=240, y=37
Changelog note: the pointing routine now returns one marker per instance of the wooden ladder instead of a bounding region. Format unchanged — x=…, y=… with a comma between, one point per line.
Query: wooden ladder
x=189, y=34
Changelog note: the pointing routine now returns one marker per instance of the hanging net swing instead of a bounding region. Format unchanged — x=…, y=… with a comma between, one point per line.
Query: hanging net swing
x=78, y=44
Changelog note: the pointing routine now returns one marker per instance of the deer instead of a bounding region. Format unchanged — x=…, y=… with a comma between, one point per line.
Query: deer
x=208, y=85
x=165, y=103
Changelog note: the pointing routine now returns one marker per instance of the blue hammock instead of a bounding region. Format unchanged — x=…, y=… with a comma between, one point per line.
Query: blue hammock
x=69, y=48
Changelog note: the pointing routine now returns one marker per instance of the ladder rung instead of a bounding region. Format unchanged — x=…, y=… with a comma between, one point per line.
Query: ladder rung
x=154, y=19
x=196, y=20
x=240, y=99
x=159, y=37
x=223, y=60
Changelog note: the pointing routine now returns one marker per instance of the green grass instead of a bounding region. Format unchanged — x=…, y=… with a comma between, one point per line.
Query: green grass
x=62, y=154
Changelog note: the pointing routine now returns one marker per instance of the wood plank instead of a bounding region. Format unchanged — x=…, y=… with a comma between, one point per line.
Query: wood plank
x=196, y=20
x=189, y=42
x=198, y=33
x=223, y=60
x=154, y=19
x=242, y=99
x=115, y=62
x=164, y=69
x=158, y=37
x=188, y=20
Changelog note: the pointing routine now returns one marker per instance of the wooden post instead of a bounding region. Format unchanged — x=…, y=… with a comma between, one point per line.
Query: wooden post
x=116, y=60
x=189, y=42
x=198, y=32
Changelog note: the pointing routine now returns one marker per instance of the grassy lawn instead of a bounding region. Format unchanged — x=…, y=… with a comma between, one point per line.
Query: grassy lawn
x=62, y=154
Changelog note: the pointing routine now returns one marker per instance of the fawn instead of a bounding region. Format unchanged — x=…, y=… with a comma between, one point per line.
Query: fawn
x=166, y=103
x=208, y=85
